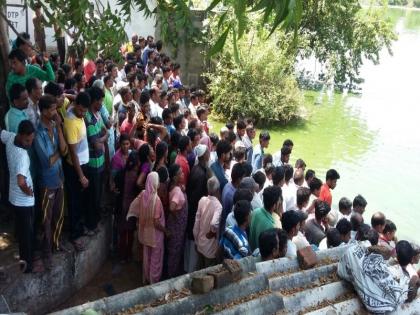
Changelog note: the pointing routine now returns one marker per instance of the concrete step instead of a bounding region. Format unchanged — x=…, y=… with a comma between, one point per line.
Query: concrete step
x=317, y=276
x=231, y=293
x=354, y=306
x=305, y=300
x=284, y=265
x=267, y=304
x=151, y=293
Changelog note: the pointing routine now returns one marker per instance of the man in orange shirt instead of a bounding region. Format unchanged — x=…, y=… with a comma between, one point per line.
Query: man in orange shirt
x=330, y=183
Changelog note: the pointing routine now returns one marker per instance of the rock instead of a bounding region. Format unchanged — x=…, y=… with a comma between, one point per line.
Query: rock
x=222, y=278
x=234, y=268
x=306, y=258
x=202, y=284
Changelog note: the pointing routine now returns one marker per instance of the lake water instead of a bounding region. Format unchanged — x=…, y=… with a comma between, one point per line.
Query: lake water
x=372, y=138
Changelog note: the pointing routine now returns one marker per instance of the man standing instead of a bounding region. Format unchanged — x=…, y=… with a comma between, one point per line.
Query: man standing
x=258, y=152
x=290, y=222
x=206, y=225
x=330, y=183
x=196, y=189
x=17, y=112
x=262, y=218
x=316, y=228
x=21, y=194
x=34, y=88
x=75, y=167
x=97, y=136
x=39, y=28
x=184, y=147
x=247, y=140
x=50, y=146
x=223, y=150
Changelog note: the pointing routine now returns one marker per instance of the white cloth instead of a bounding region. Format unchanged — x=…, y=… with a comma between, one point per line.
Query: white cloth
x=33, y=112
x=291, y=249
x=300, y=241
x=323, y=244
x=257, y=201
x=18, y=163
x=193, y=110
x=289, y=196
x=380, y=288
x=155, y=109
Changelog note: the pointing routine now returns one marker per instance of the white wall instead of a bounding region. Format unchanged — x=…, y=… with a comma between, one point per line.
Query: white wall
x=139, y=24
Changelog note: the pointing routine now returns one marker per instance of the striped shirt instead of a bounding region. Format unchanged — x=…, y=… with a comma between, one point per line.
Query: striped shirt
x=94, y=126
x=235, y=243
x=19, y=164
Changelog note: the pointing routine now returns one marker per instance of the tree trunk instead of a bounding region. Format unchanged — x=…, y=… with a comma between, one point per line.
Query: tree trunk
x=4, y=69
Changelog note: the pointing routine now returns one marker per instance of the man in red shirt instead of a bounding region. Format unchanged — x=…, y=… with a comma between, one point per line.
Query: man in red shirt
x=184, y=147
x=330, y=183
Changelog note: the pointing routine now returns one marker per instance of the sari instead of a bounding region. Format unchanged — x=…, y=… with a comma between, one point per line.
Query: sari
x=147, y=207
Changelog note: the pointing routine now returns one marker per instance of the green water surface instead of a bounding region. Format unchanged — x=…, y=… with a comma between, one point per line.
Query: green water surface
x=372, y=139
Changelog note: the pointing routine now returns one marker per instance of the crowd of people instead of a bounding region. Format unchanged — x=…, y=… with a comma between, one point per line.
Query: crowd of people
x=90, y=135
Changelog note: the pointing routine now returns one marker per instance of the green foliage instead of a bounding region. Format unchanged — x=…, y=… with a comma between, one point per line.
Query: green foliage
x=285, y=14
x=341, y=35
x=92, y=25
x=261, y=86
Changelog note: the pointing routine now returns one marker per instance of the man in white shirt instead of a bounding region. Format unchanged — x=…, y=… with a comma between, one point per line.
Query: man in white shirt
x=289, y=189
x=155, y=109
x=290, y=221
x=34, y=88
x=193, y=105
x=21, y=194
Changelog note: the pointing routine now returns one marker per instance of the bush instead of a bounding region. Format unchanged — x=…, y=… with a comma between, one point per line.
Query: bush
x=261, y=86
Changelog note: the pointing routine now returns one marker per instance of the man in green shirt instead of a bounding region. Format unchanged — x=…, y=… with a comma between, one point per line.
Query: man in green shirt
x=21, y=72
x=16, y=114
x=262, y=218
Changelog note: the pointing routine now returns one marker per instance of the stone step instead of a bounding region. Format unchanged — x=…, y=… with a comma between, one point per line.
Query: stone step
x=151, y=293
x=305, y=300
x=354, y=306
x=301, y=279
x=194, y=303
x=267, y=304
x=329, y=256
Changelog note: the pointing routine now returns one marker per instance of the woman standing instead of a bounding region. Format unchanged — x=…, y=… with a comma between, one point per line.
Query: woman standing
x=126, y=227
x=176, y=222
x=147, y=207
x=161, y=169
x=146, y=157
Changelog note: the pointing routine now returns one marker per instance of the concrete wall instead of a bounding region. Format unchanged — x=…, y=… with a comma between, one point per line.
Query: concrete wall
x=40, y=293
x=190, y=56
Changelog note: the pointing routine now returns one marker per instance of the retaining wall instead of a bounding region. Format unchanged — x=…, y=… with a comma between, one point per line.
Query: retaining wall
x=40, y=293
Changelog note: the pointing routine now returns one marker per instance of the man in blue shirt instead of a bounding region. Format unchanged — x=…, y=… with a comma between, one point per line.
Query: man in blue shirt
x=223, y=150
x=50, y=146
x=19, y=98
x=234, y=239
x=258, y=152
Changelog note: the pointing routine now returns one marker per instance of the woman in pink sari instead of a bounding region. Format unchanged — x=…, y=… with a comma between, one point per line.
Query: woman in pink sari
x=147, y=207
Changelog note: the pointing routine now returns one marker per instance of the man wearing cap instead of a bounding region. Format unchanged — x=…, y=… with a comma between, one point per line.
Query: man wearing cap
x=290, y=222
x=196, y=189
